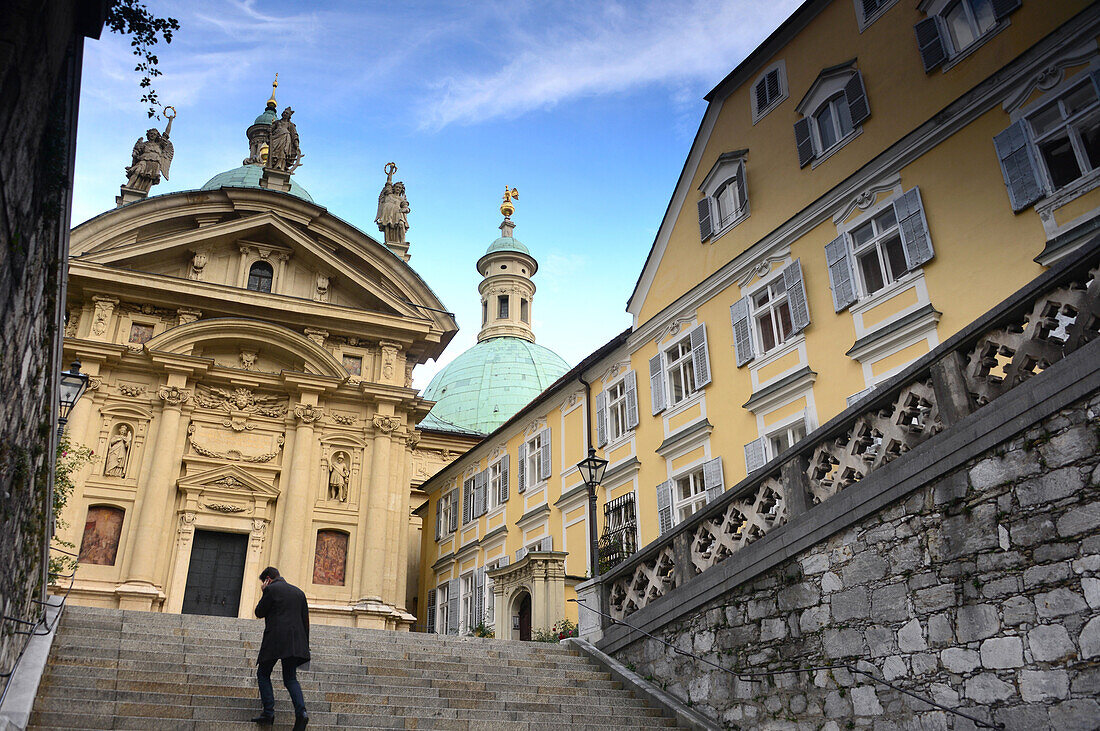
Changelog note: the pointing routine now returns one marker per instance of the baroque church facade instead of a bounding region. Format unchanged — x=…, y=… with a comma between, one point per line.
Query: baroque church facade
x=250, y=399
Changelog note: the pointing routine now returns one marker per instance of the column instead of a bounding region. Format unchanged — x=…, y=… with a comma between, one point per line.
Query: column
x=279, y=529
x=397, y=512
x=406, y=517
x=373, y=557
x=298, y=519
x=185, y=538
x=156, y=495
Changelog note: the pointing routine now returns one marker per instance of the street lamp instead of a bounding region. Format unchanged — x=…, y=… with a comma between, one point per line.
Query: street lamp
x=70, y=389
x=592, y=469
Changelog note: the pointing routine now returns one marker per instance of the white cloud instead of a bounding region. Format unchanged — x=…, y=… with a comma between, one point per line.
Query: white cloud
x=615, y=48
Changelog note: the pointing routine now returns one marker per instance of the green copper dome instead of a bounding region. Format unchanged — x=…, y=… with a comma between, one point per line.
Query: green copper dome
x=507, y=243
x=485, y=386
x=267, y=117
x=248, y=176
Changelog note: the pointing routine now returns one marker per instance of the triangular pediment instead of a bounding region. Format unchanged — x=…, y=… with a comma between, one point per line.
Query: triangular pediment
x=228, y=480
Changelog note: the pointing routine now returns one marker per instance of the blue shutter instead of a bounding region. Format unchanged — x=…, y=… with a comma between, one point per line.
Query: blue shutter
x=631, y=400
x=712, y=478
x=544, y=457
x=796, y=296
x=1003, y=8
x=664, y=507
x=503, y=497
x=755, y=455
x=656, y=384
x=804, y=142
x=856, y=96
x=705, y=226
x=700, y=362
x=521, y=469
x=930, y=43
x=742, y=333
x=841, y=277
x=1018, y=165
x=914, y=228
x=601, y=418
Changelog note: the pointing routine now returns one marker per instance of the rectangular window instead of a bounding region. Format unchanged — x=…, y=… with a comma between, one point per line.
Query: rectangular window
x=880, y=257
x=772, y=314
x=783, y=439
x=534, y=459
x=833, y=122
x=442, y=612
x=681, y=372
x=620, y=537
x=140, y=334
x=353, y=364
x=484, y=312
x=495, y=478
x=524, y=311
x=502, y=307
x=967, y=21
x=689, y=493
x=467, y=616
x=616, y=410
x=1067, y=134
x=447, y=516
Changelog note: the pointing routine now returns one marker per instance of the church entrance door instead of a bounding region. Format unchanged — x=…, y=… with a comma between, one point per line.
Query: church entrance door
x=216, y=573
x=525, y=617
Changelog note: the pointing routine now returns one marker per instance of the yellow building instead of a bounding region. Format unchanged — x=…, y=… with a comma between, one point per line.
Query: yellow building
x=870, y=179
x=250, y=400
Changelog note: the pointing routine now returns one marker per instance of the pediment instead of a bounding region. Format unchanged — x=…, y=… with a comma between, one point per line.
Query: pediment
x=228, y=480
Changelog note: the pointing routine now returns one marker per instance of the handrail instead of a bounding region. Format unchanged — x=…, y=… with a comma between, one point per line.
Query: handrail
x=748, y=675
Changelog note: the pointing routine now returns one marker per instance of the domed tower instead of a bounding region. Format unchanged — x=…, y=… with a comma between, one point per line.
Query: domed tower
x=485, y=386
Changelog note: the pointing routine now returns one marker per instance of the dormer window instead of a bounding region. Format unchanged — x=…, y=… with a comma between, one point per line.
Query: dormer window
x=769, y=89
x=260, y=276
x=832, y=112
x=725, y=201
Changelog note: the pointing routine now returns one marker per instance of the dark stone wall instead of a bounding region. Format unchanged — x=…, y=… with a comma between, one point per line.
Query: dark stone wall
x=41, y=43
x=980, y=590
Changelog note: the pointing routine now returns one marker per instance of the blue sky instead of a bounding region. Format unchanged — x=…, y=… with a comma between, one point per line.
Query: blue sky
x=588, y=108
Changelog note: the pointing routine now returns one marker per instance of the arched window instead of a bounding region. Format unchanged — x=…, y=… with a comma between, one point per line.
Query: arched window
x=102, y=530
x=330, y=558
x=260, y=276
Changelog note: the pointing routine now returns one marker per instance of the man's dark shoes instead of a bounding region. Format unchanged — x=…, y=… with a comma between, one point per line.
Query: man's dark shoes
x=301, y=721
x=264, y=720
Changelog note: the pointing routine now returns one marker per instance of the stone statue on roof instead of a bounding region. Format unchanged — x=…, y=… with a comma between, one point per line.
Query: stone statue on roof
x=393, y=208
x=152, y=157
x=283, y=150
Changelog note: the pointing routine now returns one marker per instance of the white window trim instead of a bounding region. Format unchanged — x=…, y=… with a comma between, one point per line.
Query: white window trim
x=628, y=432
x=445, y=533
x=533, y=483
x=795, y=342
x=718, y=176
x=667, y=372
x=954, y=56
x=492, y=495
x=822, y=91
x=866, y=301
x=464, y=612
x=922, y=330
x=675, y=502
x=783, y=425
x=757, y=337
x=784, y=90
x=865, y=22
x=441, y=609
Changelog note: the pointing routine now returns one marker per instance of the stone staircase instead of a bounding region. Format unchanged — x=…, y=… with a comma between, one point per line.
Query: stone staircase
x=141, y=670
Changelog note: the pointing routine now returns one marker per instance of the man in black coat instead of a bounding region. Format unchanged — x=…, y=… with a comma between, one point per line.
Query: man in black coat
x=286, y=638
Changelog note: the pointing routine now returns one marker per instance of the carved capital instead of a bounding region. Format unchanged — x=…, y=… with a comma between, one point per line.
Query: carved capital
x=317, y=336
x=187, y=316
x=308, y=414
x=385, y=424
x=412, y=440
x=94, y=382
x=173, y=396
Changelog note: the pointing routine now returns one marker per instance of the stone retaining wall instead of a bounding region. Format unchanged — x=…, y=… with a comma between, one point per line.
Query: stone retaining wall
x=980, y=590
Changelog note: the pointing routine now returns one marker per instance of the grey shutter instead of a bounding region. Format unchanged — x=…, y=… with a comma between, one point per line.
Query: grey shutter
x=547, y=544
x=762, y=94
x=664, y=507
x=439, y=518
x=503, y=497
x=857, y=396
x=841, y=277
x=705, y=226
x=479, y=598
x=1095, y=76
x=742, y=188
x=467, y=501
x=869, y=7
x=520, y=553
x=502, y=562
x=1003, y=8
x=656, y=384
x=544, y=456
x=1021, y=173
x=521, y=469
x=490, y=599
x=631, y=400
x=804, y=142
x=796, y=296
x=914, y=228
x=755, y=455
x=712, y=478
x=601, y=418
x=699, y=360
x=481, y=488
x=429, y=619
x=742, y=333
x=930, y=43
x=856, y=95
x=453, y=620
x=454, y=511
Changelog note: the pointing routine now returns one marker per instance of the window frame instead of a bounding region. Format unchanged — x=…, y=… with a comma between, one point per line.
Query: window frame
x=729, y=172
x=446, y=507
x=683, y=363
x=972, y=23
x=271, y=282
x=442, y=607
x=755, y=312
x=532, y=459
x=864, y=20
x=467, y=589
x=698, y=498
x=784, y=93
x=615, y=406
x=503, y=307
x=877, y=242
x=1055, y=97
x=838, y=106
x=492, y=498
x=787, y=428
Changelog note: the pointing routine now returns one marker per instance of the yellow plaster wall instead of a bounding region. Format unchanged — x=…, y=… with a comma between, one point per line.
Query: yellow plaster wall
x=900, y=358
x=783, y=412
x=685, y=417
x=576, y=538
x=1086, y=203
x=889, y=308
x=693, y=456
x=781, y=365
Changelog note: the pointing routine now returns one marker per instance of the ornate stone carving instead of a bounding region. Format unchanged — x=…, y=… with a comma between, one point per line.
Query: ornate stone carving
x=186, y=524
x=94, y=382
x=118, y=452
x=230, y=482
x=259, y=532
x=393, y=208
x=385, y=424
x=307, y=413
x=389, y=360
x=232, y=454
x=247, y=359
x=130, y=390
x=317, y=336
x=187, y=316
x=151, y=158
x=240, y=400
x=284, y=152
x=72, y=323
x=344, y=419
x=338, y=476
x=198, y=263
x=223, y=508
x=238, y=424
x=412, y=440
x=673, y=328
x=320, y=292
x=409, y=375
x=101, y=318
x=173, y=395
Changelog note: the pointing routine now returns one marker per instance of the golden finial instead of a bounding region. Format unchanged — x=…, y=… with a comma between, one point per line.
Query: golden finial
x=274, y=85
x=506, y=207
x=264, y=149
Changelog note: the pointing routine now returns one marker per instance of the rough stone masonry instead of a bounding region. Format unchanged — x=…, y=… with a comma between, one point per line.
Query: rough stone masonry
x=980, y=590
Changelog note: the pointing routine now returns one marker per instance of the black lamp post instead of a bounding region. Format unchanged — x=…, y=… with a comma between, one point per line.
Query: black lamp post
x=70, y=388
x=592, y=469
